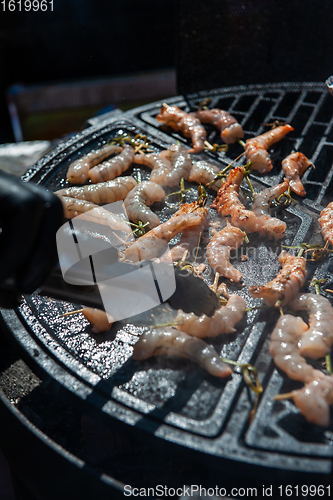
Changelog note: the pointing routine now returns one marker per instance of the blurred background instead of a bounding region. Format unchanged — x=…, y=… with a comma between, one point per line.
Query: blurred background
x=61, y=67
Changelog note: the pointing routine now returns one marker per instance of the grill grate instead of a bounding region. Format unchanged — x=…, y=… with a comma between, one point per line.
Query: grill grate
x=173, y=399
x=307, y=107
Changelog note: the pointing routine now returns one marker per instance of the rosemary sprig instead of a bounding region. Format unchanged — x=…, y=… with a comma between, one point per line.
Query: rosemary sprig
x=140, y=228
x=222, y=173
x=205, y=102
x=317, y=283
x=328, y=363
x=288, y=200
x=202, y=196
x=215, y=148
x=181, y=195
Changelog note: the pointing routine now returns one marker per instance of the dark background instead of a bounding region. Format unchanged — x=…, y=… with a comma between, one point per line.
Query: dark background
x=83, y=39
x=211, y=44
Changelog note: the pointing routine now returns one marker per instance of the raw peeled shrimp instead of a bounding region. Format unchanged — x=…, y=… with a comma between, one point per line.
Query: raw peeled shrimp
x=326, y=223
x=269, y=226
x=191, y=236
x=160, y=166
x=114, y=167
x=152, y=243
x=284, y=348
x=317, y=340
x=231, y=130
x=314, y=400
x=135, y=204
x=227, y=202
x=256, y=148
x=284, y=287
x=101, y=321
x=203, y=172
x=78, y=170
x=219, y=248
x=183, y=122
x=176, y=343
x=181, y=164
x=223, y=320
x=103, y=192
x=294, y=167
x=93, y=213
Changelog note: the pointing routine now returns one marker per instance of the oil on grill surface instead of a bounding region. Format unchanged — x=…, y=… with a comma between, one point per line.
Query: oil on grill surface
x=175, y=391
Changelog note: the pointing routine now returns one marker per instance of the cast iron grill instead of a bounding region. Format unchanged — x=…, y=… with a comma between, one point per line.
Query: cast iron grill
x=173, y=399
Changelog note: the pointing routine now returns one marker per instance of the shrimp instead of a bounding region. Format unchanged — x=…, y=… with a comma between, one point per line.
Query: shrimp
x=314, y=399
x=180, y=164
x=326, y=223
x=101, y=321
x=231, y=130
x=93, y=213
x=183, y=122
x=219, y=248
x=160, y=166
x=78, y=170
x=284, y=348
x=256, y=148
x=227, y=202
x=294, y=167
x=191, y=236
x=103, y=192
x=223, y=320
x=174, y=342
x=269, y=226
x=317, y=340
x=112, y=168
x=145, y=193
x=283, y=288
x=203, y=172
x=151, y=244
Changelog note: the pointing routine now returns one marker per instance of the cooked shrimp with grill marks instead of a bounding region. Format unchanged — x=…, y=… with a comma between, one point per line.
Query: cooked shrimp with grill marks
x=101, y=321
x=256, y=148
x=103, y=192
x=181, y=164
x=173, y=342
x=314, y=400
x=93, y=213
x=228, y=204
x=203, y=172
x=223, y=320
x=284, y=348
x=137, y=201
x=219, y=248
x=317, y=340
x=231, y=130
x=114, y=167
x=151, y=244
x=326, y=223
x=190, y=236
x=284, y=287
x=294, y=167
x=160, y=166
x=183, y=122
x=268, y=226
x=78, y=171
